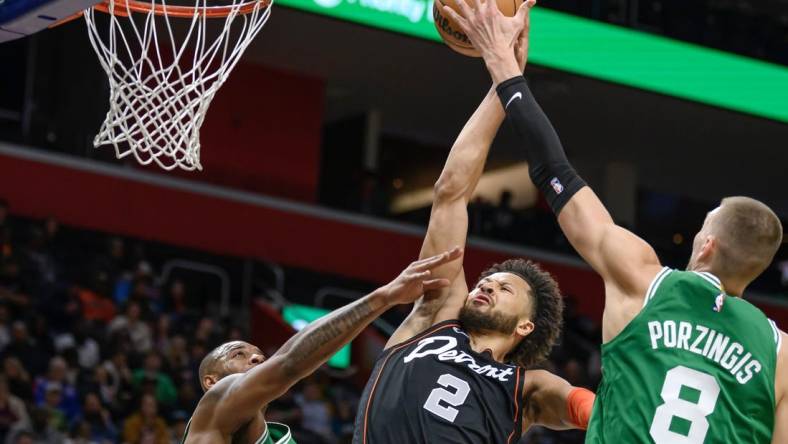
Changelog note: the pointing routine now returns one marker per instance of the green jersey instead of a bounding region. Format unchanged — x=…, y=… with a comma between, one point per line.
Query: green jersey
x=275, y=433
x=694, y=366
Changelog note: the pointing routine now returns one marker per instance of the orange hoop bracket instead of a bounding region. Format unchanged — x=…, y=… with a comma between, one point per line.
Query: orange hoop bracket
x=123, y=6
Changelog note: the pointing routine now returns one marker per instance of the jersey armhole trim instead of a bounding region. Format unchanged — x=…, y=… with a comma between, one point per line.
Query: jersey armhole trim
x=285, y=438
x=652, y=289
x=518, y=395
x=778, y=337
x=263, y=438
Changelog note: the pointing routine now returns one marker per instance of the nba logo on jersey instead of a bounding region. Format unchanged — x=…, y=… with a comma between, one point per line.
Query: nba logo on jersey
x=718, y=302
x=556, y=184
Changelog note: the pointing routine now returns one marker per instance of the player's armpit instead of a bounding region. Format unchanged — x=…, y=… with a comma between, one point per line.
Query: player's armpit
x=554, y=403
x=624, y=260
x=780, y=435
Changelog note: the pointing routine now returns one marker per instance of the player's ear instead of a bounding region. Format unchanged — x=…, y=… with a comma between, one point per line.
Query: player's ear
x=524, y=327
x=709, y=247
x=208, y=381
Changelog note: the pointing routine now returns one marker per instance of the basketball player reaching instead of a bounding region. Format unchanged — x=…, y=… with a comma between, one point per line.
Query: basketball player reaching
x=455, y=370
x=685, y=359
x=239, y=381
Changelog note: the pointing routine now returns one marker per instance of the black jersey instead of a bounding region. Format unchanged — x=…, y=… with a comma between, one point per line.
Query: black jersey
x=434, y=389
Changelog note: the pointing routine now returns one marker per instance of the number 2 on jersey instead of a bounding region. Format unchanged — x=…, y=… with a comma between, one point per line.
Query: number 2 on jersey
x=693, y=412
x=456, y=398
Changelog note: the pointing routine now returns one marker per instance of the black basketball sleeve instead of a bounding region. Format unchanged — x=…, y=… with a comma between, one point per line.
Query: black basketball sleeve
x=547, y=163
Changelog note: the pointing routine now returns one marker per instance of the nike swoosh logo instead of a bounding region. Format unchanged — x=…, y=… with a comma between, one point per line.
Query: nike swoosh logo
x=517, y=95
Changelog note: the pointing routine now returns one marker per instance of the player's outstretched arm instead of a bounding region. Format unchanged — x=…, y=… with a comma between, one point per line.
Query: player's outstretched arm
x=780, y=435
x=453, y=191
x=311, y=347
x=448, y=224
x=550, y=401
x=626, y=262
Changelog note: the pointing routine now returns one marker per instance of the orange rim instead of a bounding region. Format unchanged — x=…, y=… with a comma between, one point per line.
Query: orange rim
x=122, y=7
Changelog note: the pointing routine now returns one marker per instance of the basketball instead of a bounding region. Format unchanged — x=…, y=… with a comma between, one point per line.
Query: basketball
x=452, y=34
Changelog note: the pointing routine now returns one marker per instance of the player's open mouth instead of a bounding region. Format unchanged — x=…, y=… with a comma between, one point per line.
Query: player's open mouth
x=482, y=299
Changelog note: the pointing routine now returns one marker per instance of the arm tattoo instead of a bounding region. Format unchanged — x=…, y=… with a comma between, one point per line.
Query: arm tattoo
x=310, y=347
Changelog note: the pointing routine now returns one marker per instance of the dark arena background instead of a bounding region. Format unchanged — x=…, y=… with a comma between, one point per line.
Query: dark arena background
x=319, y=156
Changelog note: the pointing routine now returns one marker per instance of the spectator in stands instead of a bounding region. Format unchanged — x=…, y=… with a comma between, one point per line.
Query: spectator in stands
x=285, y=410
x=119, y=383
x=316, y=411
x=177, y=303
x=57, y=385
x=17, y=378
x=39, y=268
x=344, y=399
x=163, y=336
x=38, y=431
x=23, y=347
x=53, y=399
x=88, y=350
x=132, y=325
x=206, y=332
x=188, y=396
x=56, y=243
x=177, y=357
x=22, y=437
x=41, y=335
x=100, y=426
x=12, y=410
x=236, y=334
x=146, y=426
x=5, y=326
x=197, y=351
x=80, y=434
x=112, y=266
x=95, y=305
x=164, y=388
x=99, y=384
x=180, y=419
x=144, y=291
x=12, y=285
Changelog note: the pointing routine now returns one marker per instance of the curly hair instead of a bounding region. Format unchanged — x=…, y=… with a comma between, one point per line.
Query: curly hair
x=547, y=315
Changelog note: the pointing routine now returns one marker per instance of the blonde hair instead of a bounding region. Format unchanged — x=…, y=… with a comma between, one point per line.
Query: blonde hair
x=749, y=235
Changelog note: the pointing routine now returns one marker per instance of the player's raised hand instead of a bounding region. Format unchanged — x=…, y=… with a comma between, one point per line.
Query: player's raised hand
x=521, y=45
x=491, y=32
x=416, y=279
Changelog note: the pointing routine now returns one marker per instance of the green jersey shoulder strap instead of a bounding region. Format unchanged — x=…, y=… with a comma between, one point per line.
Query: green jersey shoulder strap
x=275, y=433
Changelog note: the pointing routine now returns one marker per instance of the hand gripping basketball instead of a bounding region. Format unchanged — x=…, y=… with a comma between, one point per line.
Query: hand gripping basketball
x=486, y=26
x=415, y=280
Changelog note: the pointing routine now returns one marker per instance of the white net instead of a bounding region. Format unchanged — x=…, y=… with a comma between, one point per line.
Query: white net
x=163, y=75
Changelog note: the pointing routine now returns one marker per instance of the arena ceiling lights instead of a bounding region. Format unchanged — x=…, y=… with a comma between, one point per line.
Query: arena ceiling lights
x=603, y=51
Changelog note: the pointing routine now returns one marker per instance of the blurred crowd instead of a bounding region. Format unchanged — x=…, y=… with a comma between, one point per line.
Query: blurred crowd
x=95, y=349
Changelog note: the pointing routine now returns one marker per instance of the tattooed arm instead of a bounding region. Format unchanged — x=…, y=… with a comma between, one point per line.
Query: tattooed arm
x=311, y=347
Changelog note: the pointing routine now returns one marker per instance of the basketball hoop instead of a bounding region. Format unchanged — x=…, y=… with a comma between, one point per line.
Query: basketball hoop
x=164, y=73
